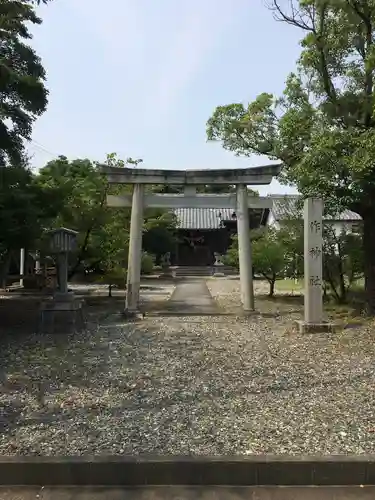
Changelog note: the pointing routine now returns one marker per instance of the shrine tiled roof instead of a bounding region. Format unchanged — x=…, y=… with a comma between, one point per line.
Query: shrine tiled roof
x=283, y=207
x=202, y=218
x=286, y=206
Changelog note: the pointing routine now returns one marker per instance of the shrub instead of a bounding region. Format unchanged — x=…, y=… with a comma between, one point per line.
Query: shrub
x=147, y=264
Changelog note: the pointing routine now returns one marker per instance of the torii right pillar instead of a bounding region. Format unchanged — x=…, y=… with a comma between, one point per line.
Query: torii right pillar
x=313, y=321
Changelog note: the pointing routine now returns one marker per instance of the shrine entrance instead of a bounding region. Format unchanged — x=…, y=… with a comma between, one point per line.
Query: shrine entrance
x=239, y=202
x=193, y=250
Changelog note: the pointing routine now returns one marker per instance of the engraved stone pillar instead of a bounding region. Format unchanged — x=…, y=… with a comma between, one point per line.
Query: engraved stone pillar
x=313, y=268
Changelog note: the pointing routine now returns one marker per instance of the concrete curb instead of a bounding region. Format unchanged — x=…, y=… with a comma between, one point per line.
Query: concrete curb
x=188, y=471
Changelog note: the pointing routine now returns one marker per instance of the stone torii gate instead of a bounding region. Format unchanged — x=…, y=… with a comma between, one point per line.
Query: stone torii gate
x=240, y=202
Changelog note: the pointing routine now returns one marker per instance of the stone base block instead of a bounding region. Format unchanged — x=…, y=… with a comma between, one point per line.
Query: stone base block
x=167, y=274
x=252, y=312
x=218, y=271
x=62, y=314
x=324, y=327
x=67, y=297
x=128, y=314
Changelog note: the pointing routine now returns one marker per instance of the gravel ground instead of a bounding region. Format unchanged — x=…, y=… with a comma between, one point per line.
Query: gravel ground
x=191, y=385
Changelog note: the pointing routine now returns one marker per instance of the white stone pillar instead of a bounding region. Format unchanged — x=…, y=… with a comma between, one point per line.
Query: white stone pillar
x=22, y=265
x=313, y=273
x=244, y=249
x=135, y=250
x=313, y=261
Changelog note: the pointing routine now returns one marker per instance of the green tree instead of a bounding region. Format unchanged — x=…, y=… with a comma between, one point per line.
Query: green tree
x=159, y=233
x=291, y=239
x=231, y=257
x=342, y=261
x=269, y=255
x=23, y=96
x=269, y=259
x=26, y=208
x=102, y=231
x=323, y=126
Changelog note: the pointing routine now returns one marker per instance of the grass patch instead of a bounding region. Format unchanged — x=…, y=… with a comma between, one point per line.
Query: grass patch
x=289, y=285
x=347, y=315
x=358, y=286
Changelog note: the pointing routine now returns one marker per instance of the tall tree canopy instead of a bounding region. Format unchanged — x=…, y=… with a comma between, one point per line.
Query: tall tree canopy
x=103, y=232
x=323, y=126
x=23, y=95
x=26, y=208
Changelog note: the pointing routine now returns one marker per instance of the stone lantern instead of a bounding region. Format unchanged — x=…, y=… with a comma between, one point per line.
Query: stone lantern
x=62, y=312
x=63, y=242
x=218, y=267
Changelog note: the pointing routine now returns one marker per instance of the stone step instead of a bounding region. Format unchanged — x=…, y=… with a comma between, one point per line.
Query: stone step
x=189, y=493
x=354, y=473
x=202, y=270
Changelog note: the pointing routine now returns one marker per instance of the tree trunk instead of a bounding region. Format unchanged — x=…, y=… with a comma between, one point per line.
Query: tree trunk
x=4, y=268
x=369, y=260
x=328, y=278
x=272, y=282
x=81, y=253
x=83, y=250
x=342, y=286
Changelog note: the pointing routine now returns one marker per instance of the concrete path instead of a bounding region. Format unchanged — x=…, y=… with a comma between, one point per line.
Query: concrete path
x=182, y=493
x=191, y=297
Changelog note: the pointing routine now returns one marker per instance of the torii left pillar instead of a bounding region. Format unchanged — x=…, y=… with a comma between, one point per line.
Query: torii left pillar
x=133, y=281
x=244, y=249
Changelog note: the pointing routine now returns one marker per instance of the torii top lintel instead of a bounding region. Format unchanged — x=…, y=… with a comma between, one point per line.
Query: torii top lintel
x=253, y=176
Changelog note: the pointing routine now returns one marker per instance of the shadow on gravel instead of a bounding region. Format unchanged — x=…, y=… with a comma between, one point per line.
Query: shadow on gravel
x=19, y=315
x=40, y=372
x=51, y=365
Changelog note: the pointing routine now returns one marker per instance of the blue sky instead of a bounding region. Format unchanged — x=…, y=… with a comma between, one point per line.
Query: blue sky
x=141, y=77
